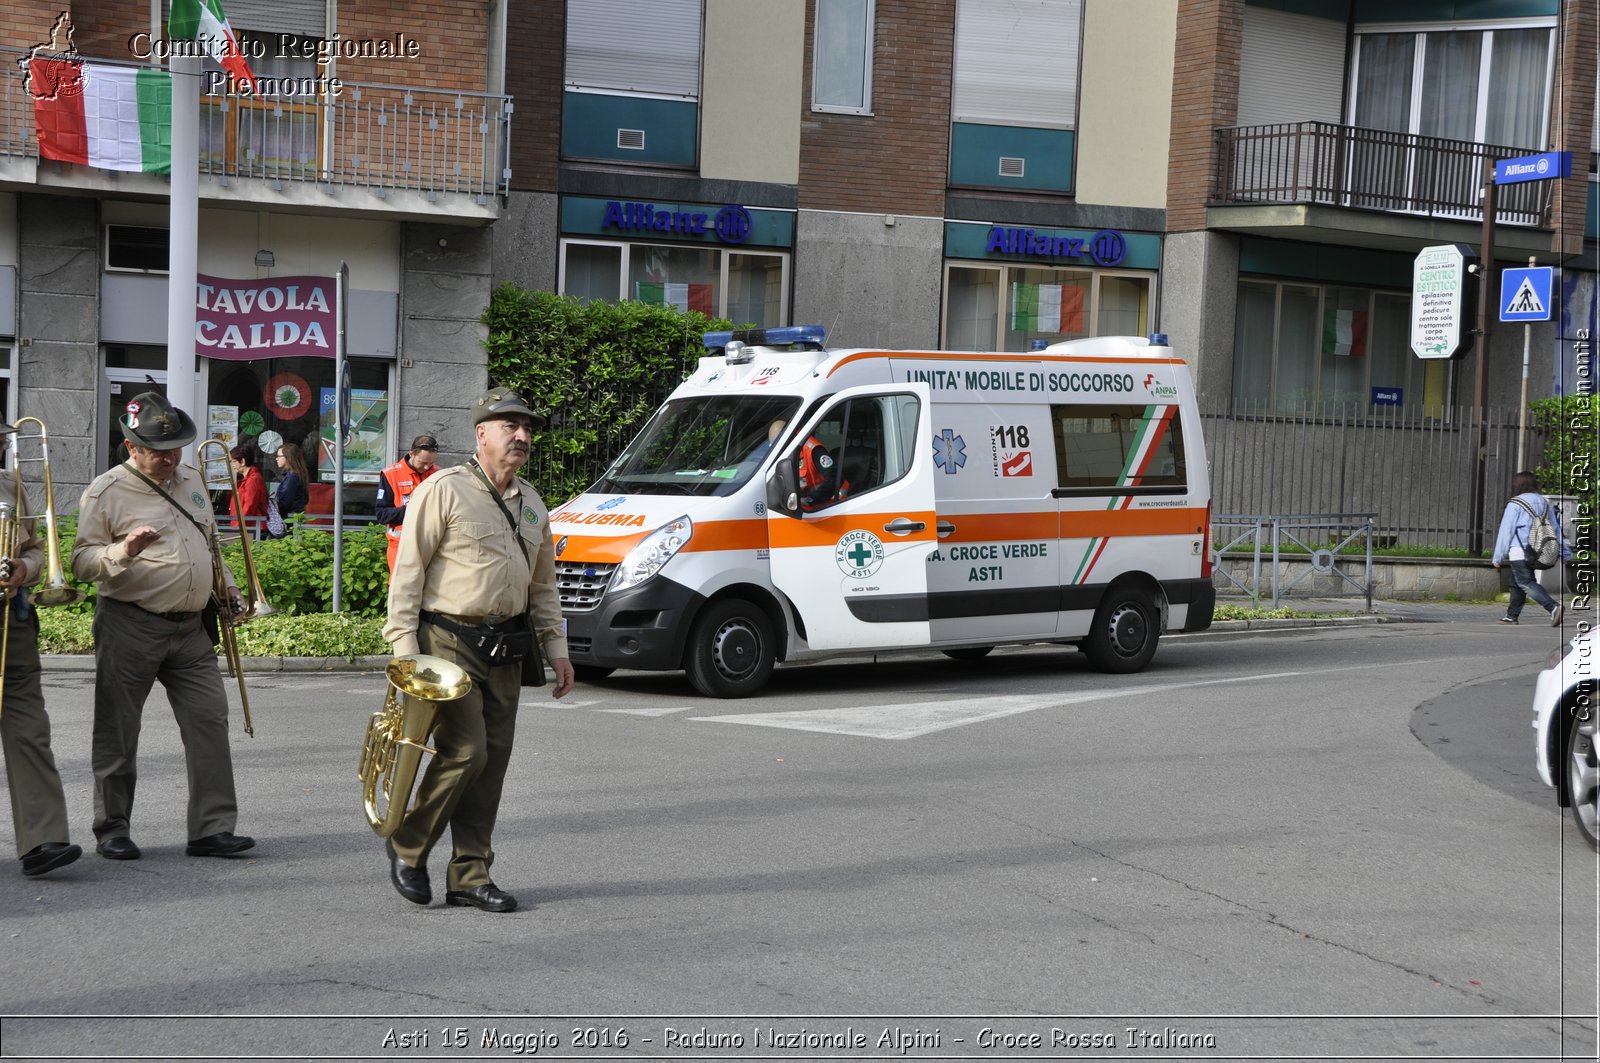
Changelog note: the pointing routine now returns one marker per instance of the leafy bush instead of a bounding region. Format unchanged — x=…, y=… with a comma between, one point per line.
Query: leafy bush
x=598, y=369
x=64, y=630
x=1570, y=424
x=296, y=572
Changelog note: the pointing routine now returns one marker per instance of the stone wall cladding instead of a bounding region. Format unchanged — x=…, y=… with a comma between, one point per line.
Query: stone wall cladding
x=896, y=160
x=1205, y=96
x=444, y=291
x=58, y=252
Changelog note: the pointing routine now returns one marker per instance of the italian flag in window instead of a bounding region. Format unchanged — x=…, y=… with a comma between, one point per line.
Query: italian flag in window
x=1053, y=308
x=685, y=297
x=1345, y=332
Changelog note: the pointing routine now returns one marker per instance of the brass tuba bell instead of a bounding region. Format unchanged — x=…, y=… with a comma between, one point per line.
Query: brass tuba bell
x=396, y=734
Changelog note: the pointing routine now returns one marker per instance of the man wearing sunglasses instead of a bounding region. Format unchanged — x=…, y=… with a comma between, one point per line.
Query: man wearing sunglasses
x=396, y=484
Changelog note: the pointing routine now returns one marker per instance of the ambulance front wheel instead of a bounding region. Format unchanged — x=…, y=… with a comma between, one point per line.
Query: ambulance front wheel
x=1123, y=637
x=731, y=650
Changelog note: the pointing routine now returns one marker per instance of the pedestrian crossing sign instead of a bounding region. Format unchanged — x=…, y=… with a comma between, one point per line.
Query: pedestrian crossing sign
x=1525, y=294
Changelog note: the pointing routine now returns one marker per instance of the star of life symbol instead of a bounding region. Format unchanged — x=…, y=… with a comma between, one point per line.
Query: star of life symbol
x=949, y=451
x=858, y=553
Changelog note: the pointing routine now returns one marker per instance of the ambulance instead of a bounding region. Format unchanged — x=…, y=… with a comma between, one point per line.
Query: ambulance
x=790, y=502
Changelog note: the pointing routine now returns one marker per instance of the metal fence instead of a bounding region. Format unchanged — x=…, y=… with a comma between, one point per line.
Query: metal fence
x=1329, y=543
x=1413, y=472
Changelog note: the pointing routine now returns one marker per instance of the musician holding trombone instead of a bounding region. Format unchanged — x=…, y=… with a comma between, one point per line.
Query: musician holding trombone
x=147, y=538
x=38, y=803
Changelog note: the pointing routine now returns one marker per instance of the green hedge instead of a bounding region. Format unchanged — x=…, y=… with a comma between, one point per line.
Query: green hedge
x=598, y=369
x=63, y=630
x=1570, y=425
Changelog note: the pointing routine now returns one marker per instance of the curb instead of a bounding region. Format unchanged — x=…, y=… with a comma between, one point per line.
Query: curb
x=1310, y=621
x=84, y=662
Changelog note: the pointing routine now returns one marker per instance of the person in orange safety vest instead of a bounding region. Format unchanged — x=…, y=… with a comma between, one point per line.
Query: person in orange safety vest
x=396, y=484
x=819, y=473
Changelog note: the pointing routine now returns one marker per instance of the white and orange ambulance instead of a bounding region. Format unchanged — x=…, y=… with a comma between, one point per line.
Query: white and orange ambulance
x=790, y=502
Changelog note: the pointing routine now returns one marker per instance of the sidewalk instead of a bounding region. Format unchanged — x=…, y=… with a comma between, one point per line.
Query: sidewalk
x=1425, y=612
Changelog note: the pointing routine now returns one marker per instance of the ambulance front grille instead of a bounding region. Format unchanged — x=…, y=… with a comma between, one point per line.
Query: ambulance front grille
x=581, y=585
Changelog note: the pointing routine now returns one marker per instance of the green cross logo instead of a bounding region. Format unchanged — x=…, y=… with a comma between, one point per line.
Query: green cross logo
x=858, y=554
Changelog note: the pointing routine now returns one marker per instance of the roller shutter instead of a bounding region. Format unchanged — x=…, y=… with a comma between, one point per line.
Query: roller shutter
x=1292, y=68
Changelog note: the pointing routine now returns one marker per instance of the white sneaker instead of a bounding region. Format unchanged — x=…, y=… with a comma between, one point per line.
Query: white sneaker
x=1555, y=616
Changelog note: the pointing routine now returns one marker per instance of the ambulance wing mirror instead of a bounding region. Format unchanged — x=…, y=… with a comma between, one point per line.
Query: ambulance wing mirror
x=783, y=488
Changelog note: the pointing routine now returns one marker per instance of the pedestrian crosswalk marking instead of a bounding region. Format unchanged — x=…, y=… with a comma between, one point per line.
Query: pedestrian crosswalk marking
x=917, y=718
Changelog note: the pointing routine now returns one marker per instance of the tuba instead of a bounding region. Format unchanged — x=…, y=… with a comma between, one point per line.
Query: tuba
x=418, y=683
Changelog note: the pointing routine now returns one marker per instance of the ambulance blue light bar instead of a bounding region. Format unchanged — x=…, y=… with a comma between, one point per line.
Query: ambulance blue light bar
x=806, y=336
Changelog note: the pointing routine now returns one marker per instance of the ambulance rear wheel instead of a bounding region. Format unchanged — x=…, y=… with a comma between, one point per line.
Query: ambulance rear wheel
x=1123, y=637
x=731, y=650
x=968, y=653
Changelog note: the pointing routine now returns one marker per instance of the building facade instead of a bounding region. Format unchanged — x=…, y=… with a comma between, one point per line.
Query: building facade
x=1254, y=179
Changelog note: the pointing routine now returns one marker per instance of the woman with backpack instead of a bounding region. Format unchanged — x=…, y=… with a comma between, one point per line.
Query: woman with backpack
x=1528, y=520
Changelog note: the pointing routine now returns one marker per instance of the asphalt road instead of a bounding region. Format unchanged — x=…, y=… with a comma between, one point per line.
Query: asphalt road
x=1321, y=842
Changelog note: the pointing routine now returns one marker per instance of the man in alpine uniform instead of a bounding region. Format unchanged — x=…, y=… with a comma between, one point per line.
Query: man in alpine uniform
x=396, y=484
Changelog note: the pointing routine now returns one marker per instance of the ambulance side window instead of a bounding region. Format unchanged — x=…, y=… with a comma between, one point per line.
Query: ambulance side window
x=1103, y=448
x=858, y=446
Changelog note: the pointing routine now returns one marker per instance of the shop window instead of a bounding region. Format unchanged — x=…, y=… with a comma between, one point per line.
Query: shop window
x=291, y=400
x=1305, y=348
x=747, y=287
x=1009, y=308
x=841, y=77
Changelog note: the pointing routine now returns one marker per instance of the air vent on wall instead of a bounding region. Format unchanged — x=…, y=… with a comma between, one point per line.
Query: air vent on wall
x=631, y=138
x=1011, y=167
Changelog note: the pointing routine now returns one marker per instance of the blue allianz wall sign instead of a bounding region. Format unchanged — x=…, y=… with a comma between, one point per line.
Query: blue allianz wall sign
x=1106, y=247
x=731, y=224
x=1388, y=396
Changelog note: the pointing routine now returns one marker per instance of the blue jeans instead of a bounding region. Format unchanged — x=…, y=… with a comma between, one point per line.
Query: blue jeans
x=1525, y=585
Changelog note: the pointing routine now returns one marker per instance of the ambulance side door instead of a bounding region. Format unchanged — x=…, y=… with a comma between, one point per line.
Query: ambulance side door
x=852, y=554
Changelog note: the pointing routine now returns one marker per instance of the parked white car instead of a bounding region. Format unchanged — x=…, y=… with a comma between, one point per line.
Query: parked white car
x=1565, y=712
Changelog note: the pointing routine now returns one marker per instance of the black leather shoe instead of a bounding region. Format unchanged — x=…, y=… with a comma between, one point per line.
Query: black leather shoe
x=488, y=897
x=118, y=848
x=224, y=844
x=410, y=882
x=47, y=856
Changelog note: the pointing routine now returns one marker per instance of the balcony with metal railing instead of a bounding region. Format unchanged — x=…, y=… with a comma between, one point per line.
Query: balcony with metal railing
x=1400, y=175
x=391, y=149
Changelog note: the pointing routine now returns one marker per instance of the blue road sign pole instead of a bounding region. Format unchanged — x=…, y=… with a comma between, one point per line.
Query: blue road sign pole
x=1522, y=409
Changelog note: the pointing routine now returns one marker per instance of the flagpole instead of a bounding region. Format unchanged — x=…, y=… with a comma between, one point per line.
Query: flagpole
x=184, y=234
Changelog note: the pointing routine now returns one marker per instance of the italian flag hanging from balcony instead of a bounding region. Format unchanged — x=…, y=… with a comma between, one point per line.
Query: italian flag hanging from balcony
x=95, y=114
x=685, y=297
x=1344, y=332
x=204, y=21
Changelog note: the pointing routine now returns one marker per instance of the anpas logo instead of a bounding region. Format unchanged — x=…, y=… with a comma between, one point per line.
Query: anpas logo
x=859, y=554
x=612, y=503
x=1160, y=391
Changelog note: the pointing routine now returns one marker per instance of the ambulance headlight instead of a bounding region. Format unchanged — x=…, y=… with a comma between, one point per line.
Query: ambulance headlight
x=655, y=550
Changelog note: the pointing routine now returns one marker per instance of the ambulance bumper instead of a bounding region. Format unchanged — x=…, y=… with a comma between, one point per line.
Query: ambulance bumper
x=643, y=627
x=1201, y=597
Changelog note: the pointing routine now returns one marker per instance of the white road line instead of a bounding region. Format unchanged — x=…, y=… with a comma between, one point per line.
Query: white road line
x=916, y=718
x=663, y=710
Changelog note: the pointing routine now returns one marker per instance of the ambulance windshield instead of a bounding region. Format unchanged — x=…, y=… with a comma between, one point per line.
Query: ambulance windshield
x=701, y=446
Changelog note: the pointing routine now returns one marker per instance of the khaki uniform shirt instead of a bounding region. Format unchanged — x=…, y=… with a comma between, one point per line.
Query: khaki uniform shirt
x=458, y=557
x=29, y=548
x=172, y=574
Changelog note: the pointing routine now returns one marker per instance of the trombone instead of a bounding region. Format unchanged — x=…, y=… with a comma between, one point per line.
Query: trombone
x=257, y=605
x=56, y=590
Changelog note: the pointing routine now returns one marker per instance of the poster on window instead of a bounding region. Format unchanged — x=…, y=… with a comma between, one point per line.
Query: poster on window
x=222, y=424
x=369, y=433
